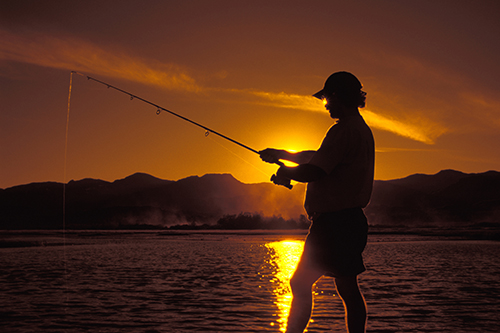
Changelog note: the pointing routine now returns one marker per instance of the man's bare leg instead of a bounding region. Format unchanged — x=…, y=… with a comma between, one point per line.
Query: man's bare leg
x=302, y=303
x=354, y=303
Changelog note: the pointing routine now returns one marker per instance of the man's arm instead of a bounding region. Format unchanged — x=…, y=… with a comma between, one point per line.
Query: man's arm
x=303, y=173
x=271, y=155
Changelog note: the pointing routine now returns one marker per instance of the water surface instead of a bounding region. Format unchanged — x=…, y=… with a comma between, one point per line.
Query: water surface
x=148, y=282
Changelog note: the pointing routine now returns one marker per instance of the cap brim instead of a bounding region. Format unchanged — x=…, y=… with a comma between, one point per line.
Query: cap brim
x=320, y=94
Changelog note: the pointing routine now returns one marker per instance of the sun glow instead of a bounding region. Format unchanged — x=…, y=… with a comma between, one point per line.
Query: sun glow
x=290, y=163
x=284, y=257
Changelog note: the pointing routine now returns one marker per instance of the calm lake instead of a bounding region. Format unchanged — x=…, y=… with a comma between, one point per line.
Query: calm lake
x=223, y=282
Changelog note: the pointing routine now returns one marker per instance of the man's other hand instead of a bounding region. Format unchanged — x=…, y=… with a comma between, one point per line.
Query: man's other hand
x=270, y=155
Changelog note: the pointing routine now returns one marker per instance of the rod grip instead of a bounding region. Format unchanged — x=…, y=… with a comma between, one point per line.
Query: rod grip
x=287, y=185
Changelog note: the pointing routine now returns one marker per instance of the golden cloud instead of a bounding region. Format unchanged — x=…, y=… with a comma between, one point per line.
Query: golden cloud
x=81, y=56
x=418, y=129
x=291, y=101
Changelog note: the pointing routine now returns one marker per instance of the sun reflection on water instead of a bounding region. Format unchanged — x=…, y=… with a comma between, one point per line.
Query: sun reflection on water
x=284, y=257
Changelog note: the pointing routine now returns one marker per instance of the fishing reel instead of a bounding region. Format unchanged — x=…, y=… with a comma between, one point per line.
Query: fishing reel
x=281, y=181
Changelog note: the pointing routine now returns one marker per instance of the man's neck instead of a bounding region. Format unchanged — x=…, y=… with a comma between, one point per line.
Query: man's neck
x=349, y=113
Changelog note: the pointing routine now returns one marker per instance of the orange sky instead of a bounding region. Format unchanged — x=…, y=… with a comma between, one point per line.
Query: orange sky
x=245, y=69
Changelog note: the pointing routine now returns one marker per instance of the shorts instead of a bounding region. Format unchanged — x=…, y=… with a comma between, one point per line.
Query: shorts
x=336, y=241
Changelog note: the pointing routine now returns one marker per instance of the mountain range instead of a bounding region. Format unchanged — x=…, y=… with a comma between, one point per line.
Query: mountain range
x=447, y=198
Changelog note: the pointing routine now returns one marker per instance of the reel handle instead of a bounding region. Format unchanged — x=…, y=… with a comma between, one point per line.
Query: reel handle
x=287, y=185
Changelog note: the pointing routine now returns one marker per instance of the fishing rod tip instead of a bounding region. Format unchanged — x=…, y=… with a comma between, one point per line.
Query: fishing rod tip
x=75, y=72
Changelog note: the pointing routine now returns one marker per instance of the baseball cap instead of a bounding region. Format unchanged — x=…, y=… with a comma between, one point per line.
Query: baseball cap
x=340, y=82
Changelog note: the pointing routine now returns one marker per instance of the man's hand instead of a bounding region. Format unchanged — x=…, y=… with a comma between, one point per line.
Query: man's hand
x=280, y=179
x=270, y=155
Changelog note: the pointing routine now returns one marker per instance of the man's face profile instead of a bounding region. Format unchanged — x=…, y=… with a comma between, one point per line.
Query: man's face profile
x=333, y=105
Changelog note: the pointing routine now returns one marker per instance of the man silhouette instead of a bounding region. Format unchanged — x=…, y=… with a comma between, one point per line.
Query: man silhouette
x=340, y=180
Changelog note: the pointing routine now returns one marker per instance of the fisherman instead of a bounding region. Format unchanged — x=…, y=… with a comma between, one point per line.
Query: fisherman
x=340, y=180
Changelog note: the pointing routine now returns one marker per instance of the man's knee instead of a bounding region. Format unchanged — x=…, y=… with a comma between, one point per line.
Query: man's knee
x=302, y=282
x=300, y=287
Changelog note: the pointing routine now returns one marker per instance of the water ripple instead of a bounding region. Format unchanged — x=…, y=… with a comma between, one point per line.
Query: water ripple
x=230, y=283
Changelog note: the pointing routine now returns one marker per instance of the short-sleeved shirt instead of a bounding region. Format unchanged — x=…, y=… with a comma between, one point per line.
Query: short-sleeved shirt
x=347, y=155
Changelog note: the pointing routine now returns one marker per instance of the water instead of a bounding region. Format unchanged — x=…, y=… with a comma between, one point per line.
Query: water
x=147, y=282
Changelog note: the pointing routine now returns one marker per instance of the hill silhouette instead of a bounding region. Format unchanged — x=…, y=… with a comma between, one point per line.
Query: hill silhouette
x=142, y=201
x=448, y=197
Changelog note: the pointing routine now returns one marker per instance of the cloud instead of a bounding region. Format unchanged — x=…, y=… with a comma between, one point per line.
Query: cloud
x=291, y=101
x=81, y=56
x=397, y=150
x=483, y=107
x=418, y=129
x=78, y=55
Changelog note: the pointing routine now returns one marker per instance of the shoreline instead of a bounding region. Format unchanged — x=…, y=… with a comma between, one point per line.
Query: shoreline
x=41, y=238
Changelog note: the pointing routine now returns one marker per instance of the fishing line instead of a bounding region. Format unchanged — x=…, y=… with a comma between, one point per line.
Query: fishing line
x=66, y=153
x=64, y=187
x=233, y=153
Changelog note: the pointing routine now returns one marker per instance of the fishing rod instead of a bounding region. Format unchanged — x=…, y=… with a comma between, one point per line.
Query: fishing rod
x=159, y=109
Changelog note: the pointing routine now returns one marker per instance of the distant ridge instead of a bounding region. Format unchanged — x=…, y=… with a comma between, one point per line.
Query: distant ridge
x=447, y=198
x=423, y=182
x=141, y=179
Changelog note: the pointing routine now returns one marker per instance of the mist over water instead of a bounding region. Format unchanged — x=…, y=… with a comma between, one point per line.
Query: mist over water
x=151, y=282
